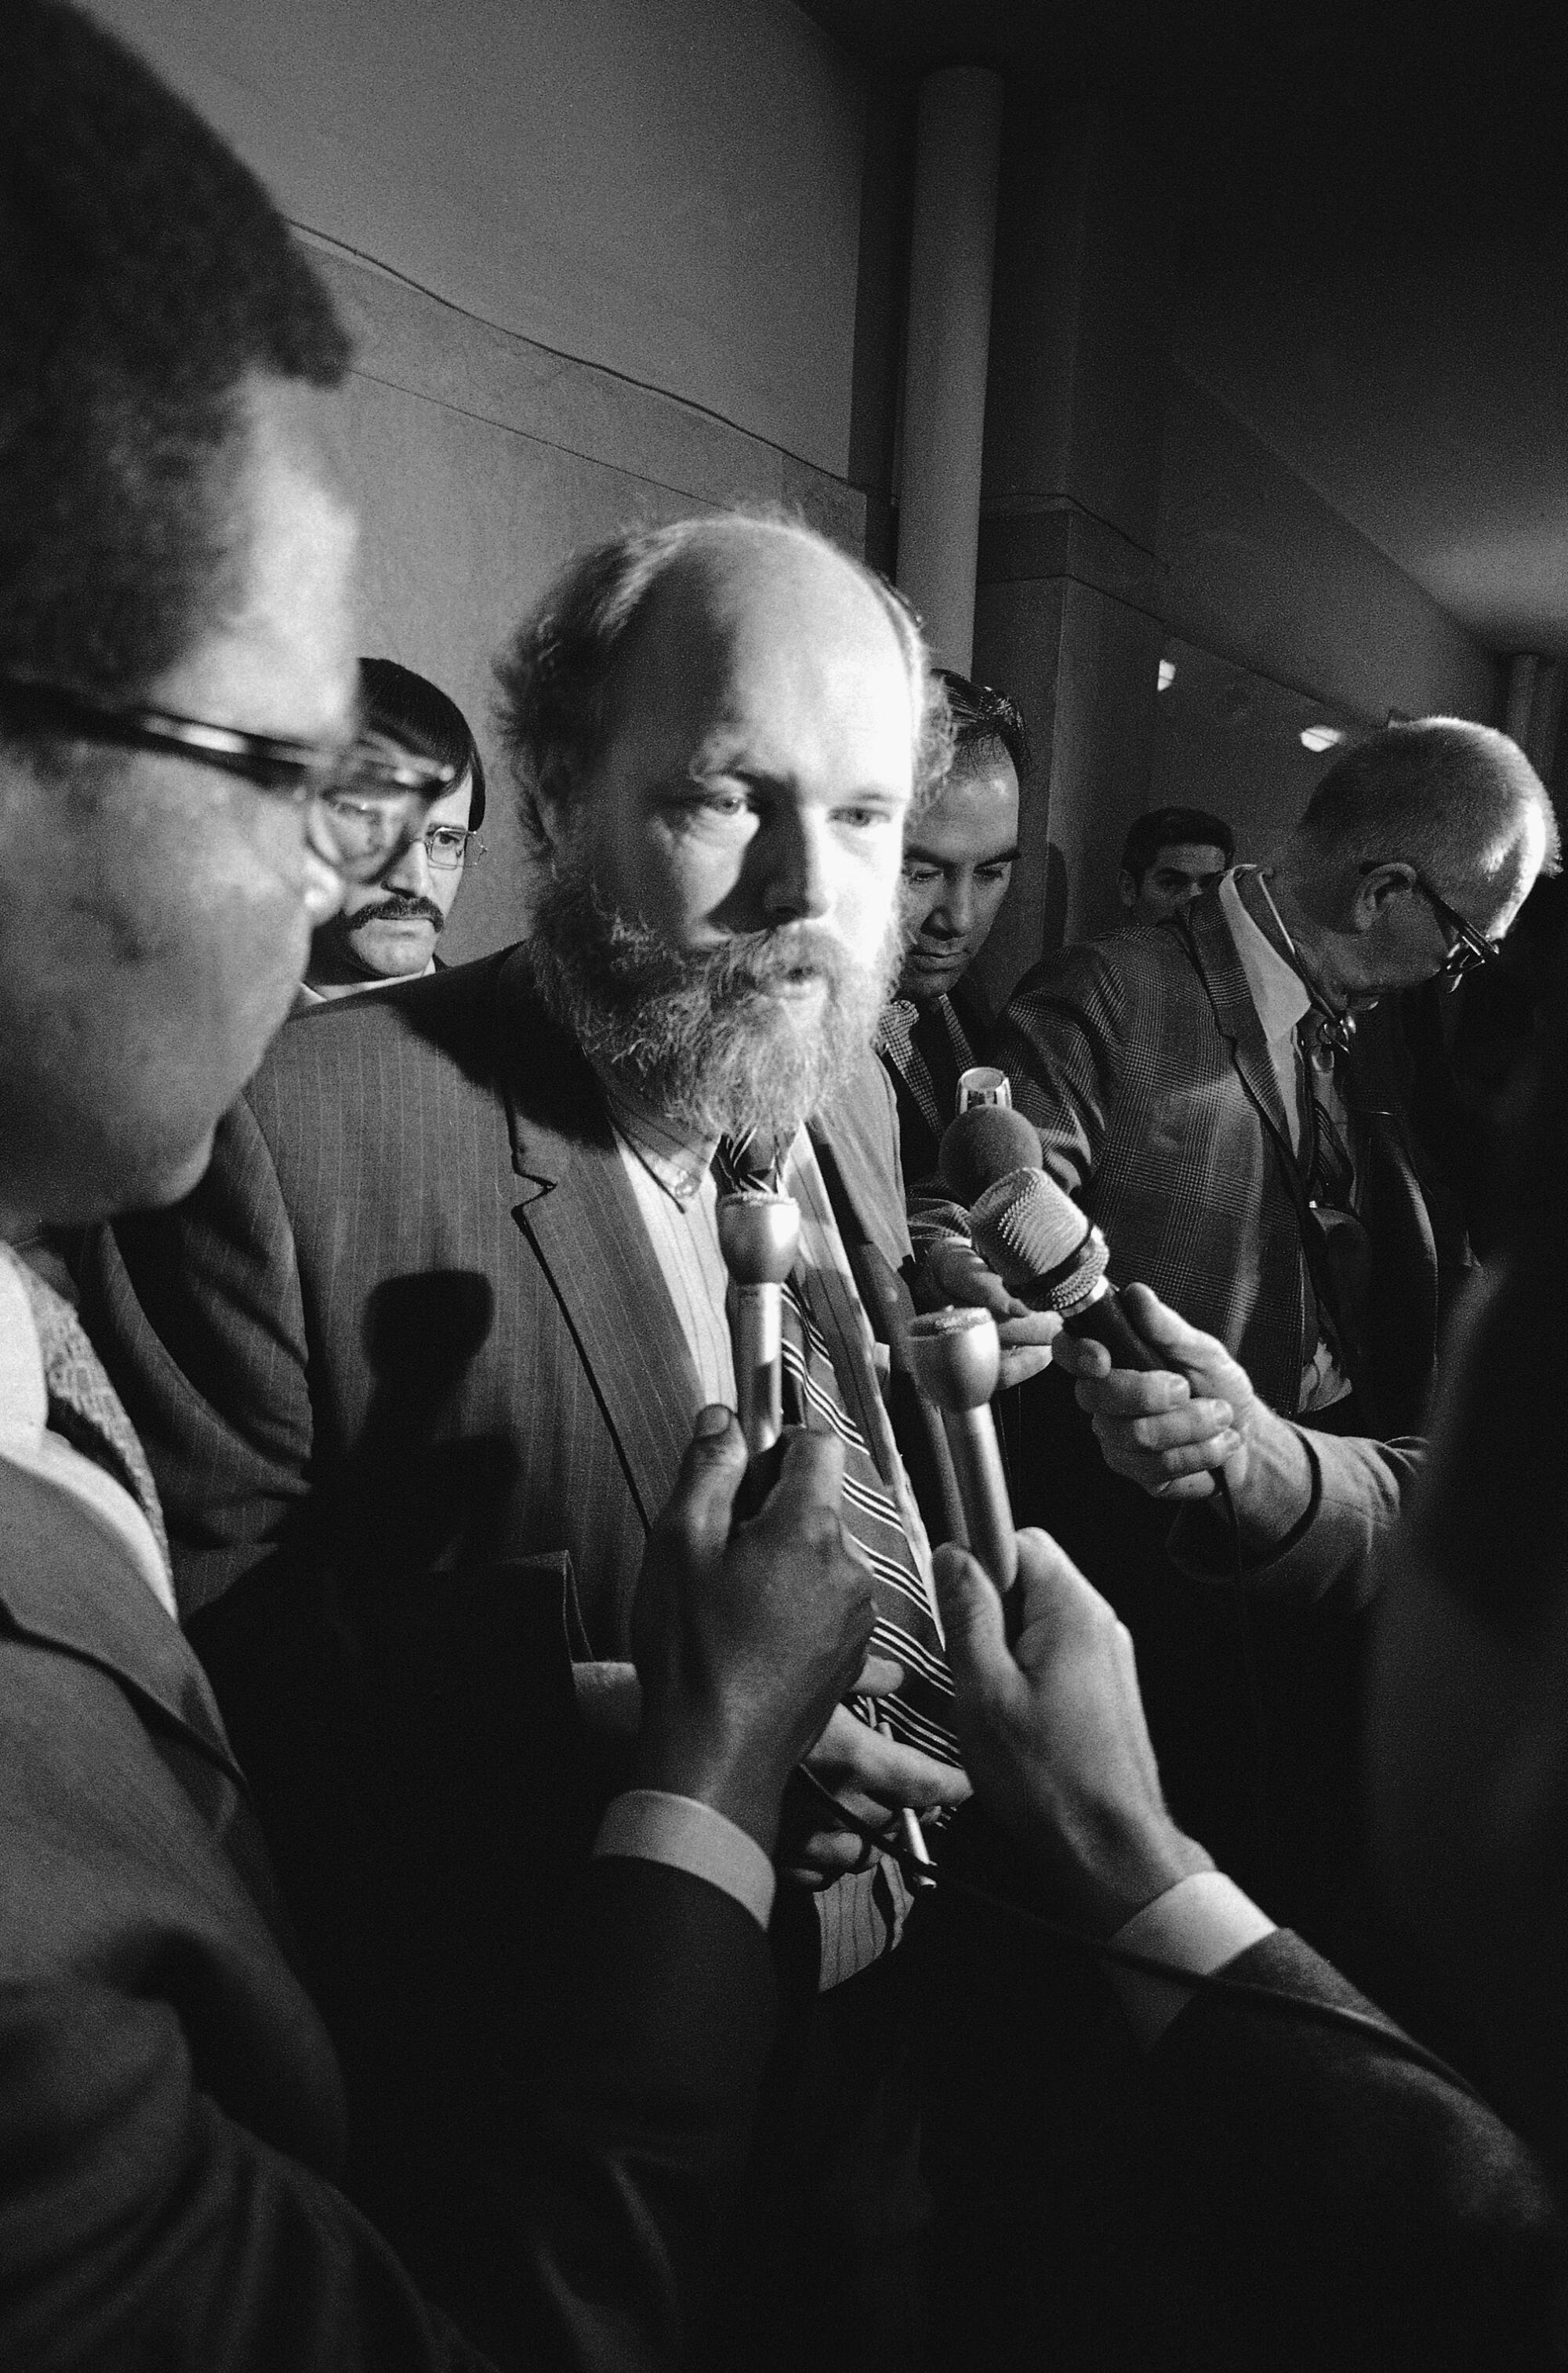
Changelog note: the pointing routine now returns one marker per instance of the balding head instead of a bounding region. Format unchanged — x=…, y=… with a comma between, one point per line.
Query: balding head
x=1459, y=800
x=557, y=677
x=1417, y=846
x=718, y=732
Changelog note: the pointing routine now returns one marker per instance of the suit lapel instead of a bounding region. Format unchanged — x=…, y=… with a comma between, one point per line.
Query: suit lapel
x=577, y=1208
x=67, y=1584
x=1224, y=976
x=858, y=1137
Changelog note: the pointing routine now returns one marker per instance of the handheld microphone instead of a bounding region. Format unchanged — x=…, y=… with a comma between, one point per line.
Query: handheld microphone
x=759, y=1236
x=1041, y=1245
x=983, y=1083
x=957, y=1359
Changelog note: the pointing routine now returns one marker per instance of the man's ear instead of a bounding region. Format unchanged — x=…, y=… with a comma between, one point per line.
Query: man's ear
x=1377, y=888
x=553, y=808
x=1128, y=888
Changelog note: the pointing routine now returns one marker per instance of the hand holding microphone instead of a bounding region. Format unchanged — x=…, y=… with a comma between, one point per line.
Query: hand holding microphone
x=1044, y=1249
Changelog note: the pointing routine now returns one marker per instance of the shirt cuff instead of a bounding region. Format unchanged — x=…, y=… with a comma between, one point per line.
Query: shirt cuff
x=650, y=1825
x=1198, y=1925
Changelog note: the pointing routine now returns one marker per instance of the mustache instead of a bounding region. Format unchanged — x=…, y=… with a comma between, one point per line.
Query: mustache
x=397, y=908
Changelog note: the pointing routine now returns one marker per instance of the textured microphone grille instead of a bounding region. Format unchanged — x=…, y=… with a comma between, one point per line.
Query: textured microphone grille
x=1039, y=1242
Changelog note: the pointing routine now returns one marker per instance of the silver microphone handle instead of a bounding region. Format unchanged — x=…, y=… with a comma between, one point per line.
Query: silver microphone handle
x=982, y=1487
x=757, y=1344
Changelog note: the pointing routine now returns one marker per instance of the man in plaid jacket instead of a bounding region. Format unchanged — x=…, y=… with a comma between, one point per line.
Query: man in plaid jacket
x=1222, y=1094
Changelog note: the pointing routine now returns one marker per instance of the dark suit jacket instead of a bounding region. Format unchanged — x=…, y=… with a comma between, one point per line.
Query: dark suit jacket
x=411, y=1319
x=1142, y=1061
x=171, y=2114
x=919, y=1143
x=411, y=1323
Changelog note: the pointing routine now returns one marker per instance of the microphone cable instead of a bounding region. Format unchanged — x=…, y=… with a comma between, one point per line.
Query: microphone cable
x=1281, y=2001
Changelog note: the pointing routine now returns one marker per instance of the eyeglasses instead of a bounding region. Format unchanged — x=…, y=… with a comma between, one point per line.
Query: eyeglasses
x=364, y=803
x=446, y=845
x=1469, y=950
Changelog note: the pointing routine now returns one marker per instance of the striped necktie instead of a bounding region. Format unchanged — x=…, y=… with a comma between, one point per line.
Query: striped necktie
x=921, y=1713
x=84, y=1406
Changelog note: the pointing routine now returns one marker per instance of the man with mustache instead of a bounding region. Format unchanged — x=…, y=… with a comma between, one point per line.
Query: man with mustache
x=452, y=1288
x=387, y=930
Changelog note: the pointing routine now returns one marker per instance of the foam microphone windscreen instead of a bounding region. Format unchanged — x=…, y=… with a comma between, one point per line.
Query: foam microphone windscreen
x=982, y=1145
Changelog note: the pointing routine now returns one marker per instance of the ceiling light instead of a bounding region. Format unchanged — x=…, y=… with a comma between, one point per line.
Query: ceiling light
x=1167, y=674
x=1320, y=737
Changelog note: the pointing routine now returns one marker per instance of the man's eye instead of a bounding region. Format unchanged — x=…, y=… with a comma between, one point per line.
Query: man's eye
x=862, y=819
x=917, y=876
x=993, y=872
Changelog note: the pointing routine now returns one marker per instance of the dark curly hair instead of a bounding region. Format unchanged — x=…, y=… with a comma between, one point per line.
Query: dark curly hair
x=145, y=276
x=984, y=720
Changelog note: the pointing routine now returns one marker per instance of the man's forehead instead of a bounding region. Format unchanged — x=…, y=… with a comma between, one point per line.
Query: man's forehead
x=1188, y=857
x=975, y=820
x=743, y=634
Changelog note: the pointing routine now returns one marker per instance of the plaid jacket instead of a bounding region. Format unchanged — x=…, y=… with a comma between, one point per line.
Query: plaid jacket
x=1141, y=1062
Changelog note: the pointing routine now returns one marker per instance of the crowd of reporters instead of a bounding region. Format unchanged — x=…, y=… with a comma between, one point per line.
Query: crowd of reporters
x=492, y=1876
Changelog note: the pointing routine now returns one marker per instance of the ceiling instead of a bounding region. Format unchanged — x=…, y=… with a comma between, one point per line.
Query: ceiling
x=1373, y=197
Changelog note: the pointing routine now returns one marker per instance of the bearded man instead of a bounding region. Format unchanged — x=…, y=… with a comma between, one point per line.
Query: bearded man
x=452, y=1289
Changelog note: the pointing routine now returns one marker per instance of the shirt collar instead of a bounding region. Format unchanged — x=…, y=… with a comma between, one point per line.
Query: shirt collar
x=24, y=1397
x=1277, y=989
x=679, y=1159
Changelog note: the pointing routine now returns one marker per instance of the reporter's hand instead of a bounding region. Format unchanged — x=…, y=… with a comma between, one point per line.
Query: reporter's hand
x=1172, y=1431
x=746, y=1635
x=1053, y=1732
x=870, y=1776
x=958, y=1274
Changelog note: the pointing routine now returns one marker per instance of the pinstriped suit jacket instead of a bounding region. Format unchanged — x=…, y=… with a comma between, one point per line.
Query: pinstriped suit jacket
x=1141, y=1060
x=411, y=1319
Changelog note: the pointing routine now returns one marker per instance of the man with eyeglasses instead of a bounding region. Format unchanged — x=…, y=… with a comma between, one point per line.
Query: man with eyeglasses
x=1223, y=1094
x=387, y=930
x=185, y=790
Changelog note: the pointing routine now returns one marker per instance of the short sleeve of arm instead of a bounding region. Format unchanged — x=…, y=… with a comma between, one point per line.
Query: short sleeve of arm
x=1061, y=1041
x=198, y=1315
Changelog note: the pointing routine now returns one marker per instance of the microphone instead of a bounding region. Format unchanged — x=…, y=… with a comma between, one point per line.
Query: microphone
x=983, y=1083
x=759, y=1235
x=1025, y=1227
x=957, y=1359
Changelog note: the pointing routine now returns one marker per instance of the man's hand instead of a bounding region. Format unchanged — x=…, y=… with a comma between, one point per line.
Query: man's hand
x=1173, y=1430
x=746, y=1635
x=870, y=1776
x=1053, y=1734
x=958, y=1274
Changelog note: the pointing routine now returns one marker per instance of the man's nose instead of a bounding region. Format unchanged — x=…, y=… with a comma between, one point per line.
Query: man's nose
x=412, y=871
x=954, y=911
x=796, y=856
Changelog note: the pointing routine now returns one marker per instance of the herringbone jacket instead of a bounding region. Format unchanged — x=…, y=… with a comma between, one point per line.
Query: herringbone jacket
x=1141, y=1060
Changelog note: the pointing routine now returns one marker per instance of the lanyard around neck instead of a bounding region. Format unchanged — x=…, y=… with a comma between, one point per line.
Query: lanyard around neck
x=1335, y=1029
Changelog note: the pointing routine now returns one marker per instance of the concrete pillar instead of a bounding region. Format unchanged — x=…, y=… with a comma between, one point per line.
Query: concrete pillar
x=1069, y=615
x=957, y=146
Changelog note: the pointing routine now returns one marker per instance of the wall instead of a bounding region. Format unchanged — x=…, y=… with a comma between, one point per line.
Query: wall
x=1261, y=570
x=600, y=261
